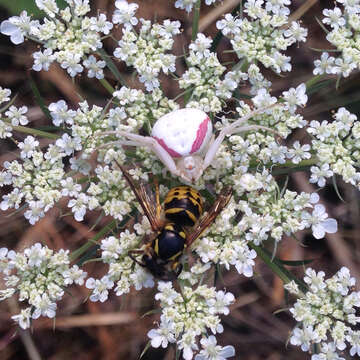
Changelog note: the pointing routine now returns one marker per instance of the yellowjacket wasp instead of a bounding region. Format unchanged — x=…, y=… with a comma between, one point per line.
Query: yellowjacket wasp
x=182, y=225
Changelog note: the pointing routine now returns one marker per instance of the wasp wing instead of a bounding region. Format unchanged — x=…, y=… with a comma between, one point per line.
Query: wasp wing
x=221, y=201
x=145, y=198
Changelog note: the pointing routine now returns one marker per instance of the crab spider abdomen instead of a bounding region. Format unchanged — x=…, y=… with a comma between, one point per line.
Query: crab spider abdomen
x=183, y=132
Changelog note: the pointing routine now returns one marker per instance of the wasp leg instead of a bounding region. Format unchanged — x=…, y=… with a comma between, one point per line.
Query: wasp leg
x=177, y=268
x=134, y=254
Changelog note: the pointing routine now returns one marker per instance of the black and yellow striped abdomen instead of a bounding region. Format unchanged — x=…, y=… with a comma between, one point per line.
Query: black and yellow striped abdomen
x=169, y=244
x=183, y=205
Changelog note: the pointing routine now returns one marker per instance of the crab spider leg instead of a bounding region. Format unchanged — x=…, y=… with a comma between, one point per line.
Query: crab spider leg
x=230, y=130
x=117, y=142
x=254, y=127
x=247, y=117
x=152, y=144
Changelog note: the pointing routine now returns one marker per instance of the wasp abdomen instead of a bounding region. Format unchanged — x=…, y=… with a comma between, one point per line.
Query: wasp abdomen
x=183, y=205
x=169, y=244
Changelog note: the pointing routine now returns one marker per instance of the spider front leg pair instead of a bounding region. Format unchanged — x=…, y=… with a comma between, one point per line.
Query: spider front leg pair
x=183, y=140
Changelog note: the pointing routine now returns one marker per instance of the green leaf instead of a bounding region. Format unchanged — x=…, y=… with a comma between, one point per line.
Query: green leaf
x=177, y=353
x=93, y=241
x=154, y=311
x=338, y=82
x=336, y=188
x=107, y=86
x=276, y=266
x=35, y=132
x=89, y=256
x=195, y=20
x=90, y=260
x=146, y=348
x=318, y=86
x=239, y=95
x=284, y=187
x=111, y=65
x=21, y=208
x=39, y=99
x=205, y=193
x=274, y=250
x=280, y=311
x=97, y=221
x=321, y=25
x=5, y=107
x=296, y=262
x=218, y=274
x=324, y=50
x=216, y=41
x=289, y=170
x=50, y=128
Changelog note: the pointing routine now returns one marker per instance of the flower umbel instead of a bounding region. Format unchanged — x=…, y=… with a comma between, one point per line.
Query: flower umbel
x=327, y=314
x=39, y=275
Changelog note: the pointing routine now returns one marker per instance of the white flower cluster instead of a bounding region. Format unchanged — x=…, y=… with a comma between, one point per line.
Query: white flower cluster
x=282, y=118
x=123, y=271
x=67, y=35
x=238, y=155
x=344, y=22
x=257, y=80
x=202, y=79
x=268, y=215
x=224, y=244
x=36, y=180
x=108, y=192
x=39, y=275
x=327, y=313
x=337, y=146
x=187, y=315
x=147, y=50
x=265, y=35
x=88, y=126
x=136, y=108
x=40, y=179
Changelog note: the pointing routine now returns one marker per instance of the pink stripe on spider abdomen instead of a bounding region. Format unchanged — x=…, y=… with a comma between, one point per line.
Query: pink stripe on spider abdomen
x=200, y=135
x=172, y=152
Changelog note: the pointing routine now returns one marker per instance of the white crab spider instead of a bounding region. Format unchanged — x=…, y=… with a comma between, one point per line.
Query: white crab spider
x=184, y=142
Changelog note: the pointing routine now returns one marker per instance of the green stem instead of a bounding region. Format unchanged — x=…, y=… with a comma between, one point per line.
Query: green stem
x=195, y=25
x=107, y=86
x=81, y=250
x=35, y=132
x=314, y=80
